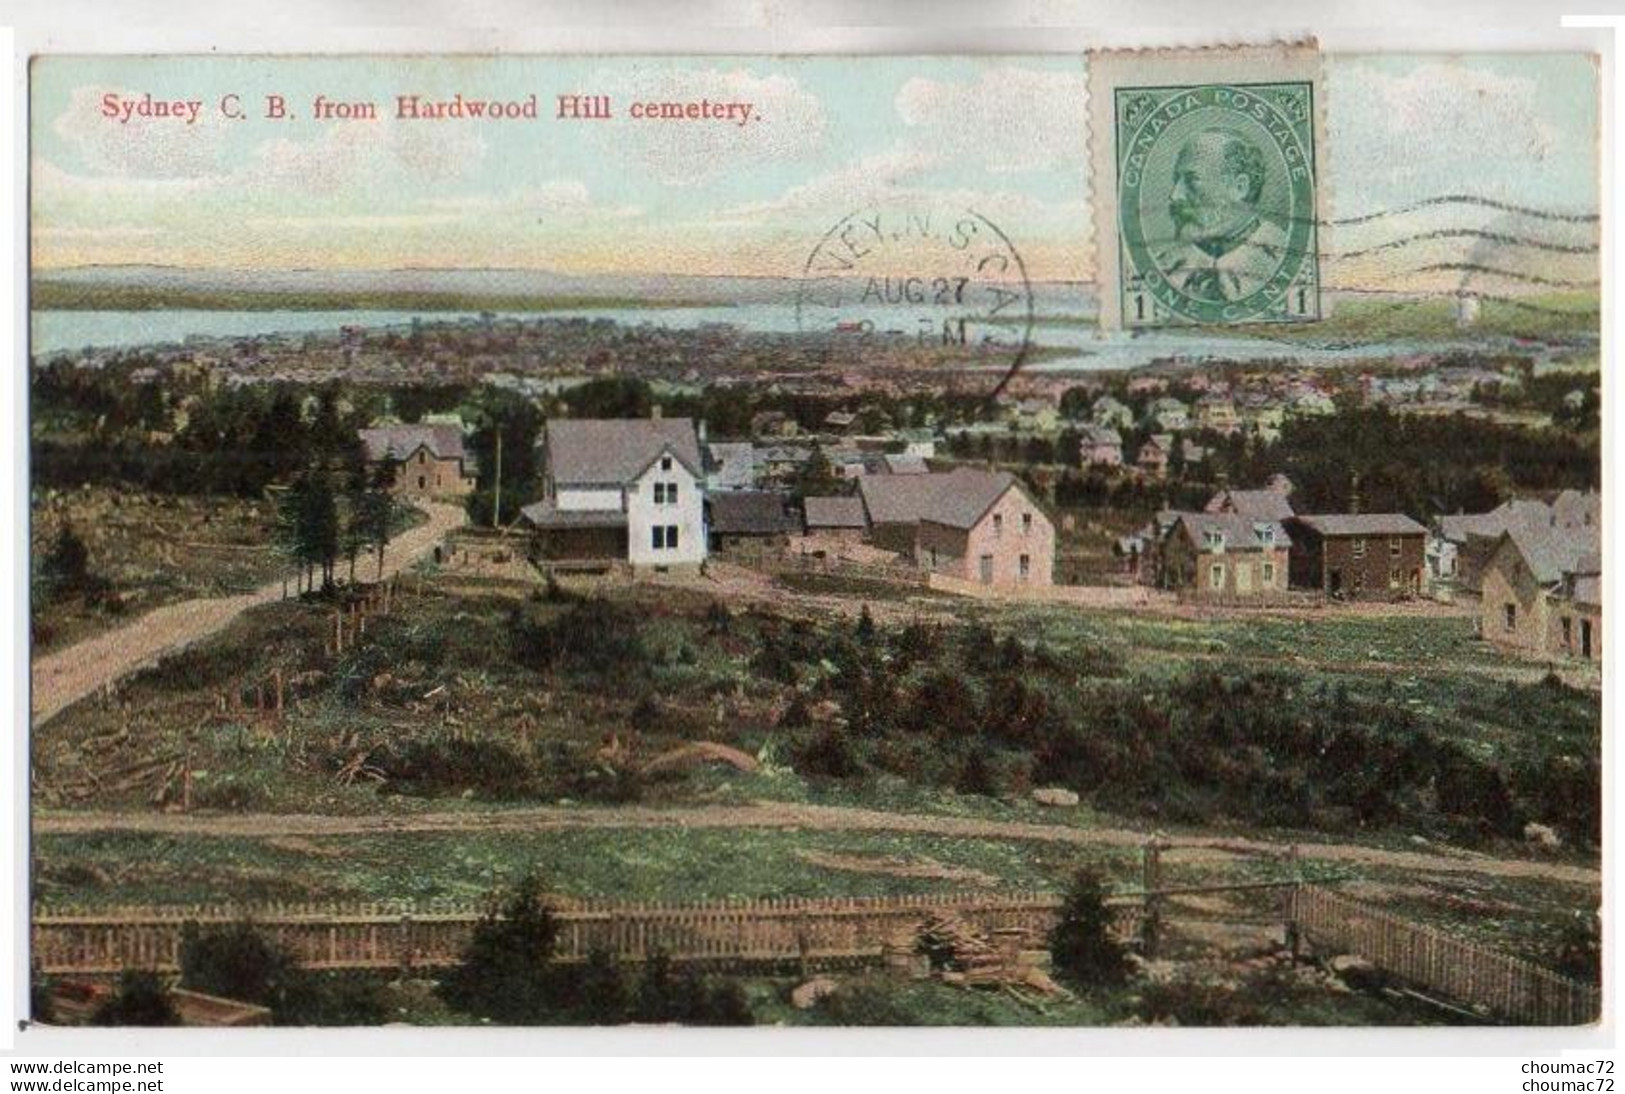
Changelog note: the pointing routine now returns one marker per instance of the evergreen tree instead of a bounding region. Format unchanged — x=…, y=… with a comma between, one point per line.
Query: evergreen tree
x=1081, y=944
x=505, y=972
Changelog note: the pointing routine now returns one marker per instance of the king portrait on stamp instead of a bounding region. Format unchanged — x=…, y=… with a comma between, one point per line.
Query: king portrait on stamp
x=1224, y=250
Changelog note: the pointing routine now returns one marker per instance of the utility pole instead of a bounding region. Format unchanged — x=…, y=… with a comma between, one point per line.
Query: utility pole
x=496, y=509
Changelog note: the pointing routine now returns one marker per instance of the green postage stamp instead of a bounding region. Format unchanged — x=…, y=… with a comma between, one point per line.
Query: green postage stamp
x=1216, y=193
x=1209, y=195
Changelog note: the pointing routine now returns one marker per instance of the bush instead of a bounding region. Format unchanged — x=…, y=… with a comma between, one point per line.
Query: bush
x=595, y=638
x=236, y=961
x=141, y=1000
x=1082, y=948
x=504, y=974
x=491, y=768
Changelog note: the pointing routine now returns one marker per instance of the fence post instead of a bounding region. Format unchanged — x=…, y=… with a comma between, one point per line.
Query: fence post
x=1151, y=882
x=1289, y=909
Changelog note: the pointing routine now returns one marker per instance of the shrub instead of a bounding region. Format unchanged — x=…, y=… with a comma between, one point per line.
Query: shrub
x=595, y=638
x=829, y=754
x=1082, y=947
x=236, y=961
x=141, y=1000
x=504, y=973
x=434, y=766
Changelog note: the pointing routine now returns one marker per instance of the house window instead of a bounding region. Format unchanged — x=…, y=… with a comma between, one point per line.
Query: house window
x=1394, y=547
x=1510, y=617
x=665, y=463
x=671, y=537
x=1568, y=632
x=1267, y=572
x=423, y=457
x=664, y=537
x=998, y=524
x=1026, y=568
x=660, y=493
x=1359, y=548
x=1026, y=524
x=1215, y=576
x=422, y=482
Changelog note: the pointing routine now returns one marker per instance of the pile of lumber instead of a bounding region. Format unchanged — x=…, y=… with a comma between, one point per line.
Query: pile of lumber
x=965, y=951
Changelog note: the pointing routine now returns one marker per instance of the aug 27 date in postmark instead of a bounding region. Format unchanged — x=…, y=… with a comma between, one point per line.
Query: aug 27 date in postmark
x=944, y=281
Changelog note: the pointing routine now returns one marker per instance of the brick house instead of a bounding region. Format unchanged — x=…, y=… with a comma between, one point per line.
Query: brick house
x=1360, y=556
x=969, y=524
x=1541, y=592
x=430, y=460
x=620, y=491
x=1224, y=555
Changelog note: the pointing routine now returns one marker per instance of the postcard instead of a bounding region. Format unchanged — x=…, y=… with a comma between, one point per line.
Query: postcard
x=1099, y=539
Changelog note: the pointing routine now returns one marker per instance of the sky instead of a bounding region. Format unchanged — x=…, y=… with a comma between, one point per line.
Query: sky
x=1006, y=136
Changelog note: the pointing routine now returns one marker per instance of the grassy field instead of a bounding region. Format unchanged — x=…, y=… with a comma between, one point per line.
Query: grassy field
x=466, y=702
x=153, y=549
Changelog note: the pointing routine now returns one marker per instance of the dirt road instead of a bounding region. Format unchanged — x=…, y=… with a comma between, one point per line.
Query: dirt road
x=65, y=677
x=783, y=815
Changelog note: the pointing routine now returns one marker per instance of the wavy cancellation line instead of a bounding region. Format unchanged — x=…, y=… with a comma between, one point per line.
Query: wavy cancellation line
x=1553, y=215
x=1480, y=234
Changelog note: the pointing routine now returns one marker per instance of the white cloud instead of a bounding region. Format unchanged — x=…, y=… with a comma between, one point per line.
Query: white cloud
x=787, y=122
x=1010, y=119
x=863, y=182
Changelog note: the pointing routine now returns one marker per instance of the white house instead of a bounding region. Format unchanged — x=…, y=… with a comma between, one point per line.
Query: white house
x=622, y=490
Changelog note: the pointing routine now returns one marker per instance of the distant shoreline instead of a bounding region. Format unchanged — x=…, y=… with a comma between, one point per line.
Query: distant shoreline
x=62, y=296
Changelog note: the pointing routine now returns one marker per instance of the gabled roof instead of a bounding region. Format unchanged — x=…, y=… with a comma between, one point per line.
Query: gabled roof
x=1362, y=524
x=397, y=442
x=1240, y=533
x=1570, y=509
x=1099, y=434
x=1553, y=553
x=750, y=512
x=957, y=498
x=1261, y=504
x=834, y=512
x=614, y=451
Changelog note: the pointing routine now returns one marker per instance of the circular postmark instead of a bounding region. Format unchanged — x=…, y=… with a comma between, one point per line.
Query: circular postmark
x=1216, y=200
x=944, y=286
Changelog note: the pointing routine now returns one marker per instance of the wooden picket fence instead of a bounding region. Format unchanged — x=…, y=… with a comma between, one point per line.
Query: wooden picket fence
x=811, y=931
x=1507, y=987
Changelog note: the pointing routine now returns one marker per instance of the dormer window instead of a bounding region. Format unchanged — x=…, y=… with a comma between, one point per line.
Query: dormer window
x=1265, y=534
x=1213, y=540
